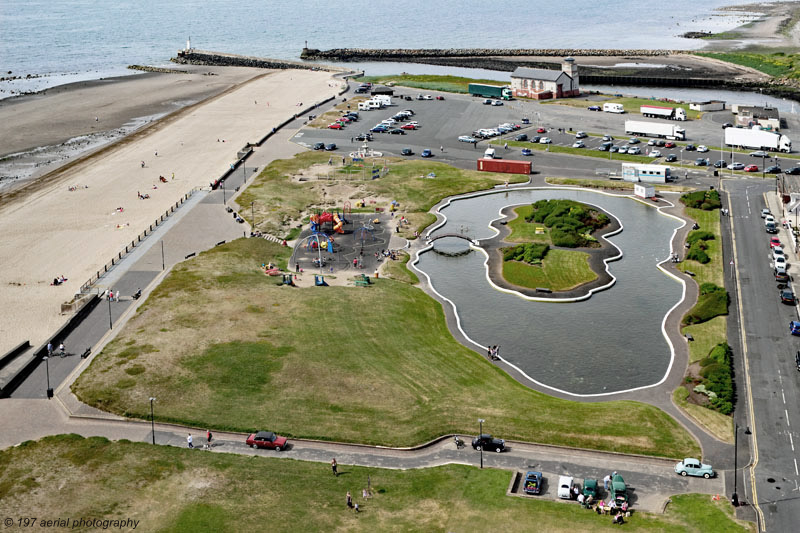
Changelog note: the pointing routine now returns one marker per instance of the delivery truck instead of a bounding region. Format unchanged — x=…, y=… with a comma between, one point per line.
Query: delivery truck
x=655, y=129
x=655, y=111
x=504, y=165
x=757, y=139
x=490, y=91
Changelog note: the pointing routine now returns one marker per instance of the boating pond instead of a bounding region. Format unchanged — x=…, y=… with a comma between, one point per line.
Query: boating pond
x=610, y=342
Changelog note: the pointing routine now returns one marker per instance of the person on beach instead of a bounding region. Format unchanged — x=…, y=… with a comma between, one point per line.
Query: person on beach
x=142, y=164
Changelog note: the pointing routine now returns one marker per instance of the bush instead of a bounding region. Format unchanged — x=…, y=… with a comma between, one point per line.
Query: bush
x=712, y=302
x=705, y=200
x=532, y=253
x=699, y=235
x=569, y=221
x=696, y=253
x=717, y=369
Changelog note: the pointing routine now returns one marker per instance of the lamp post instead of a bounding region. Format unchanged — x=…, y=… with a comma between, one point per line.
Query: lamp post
x=152, y=424
x=47, y=368
x=110, y=322
x=223, y=193
x=480, y=421
x=735, y=495
x=162, y=254
x=253, y=214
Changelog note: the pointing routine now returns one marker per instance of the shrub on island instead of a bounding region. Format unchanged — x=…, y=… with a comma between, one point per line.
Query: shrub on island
x=531, y=253
x=571, y=223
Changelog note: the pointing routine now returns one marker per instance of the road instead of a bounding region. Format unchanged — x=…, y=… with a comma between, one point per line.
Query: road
x=770, y=350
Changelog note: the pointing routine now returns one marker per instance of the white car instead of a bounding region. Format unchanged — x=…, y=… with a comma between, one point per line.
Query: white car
x=578, y=144
x=545, y=140
x=780, y=262
x=581, y=135
x=634, y=150
x=765, y=212
x=769, y=219
x=778, y=252
x=497, y=102
x=564, y=487
x=651, y=142
x=427, y=97
x=655, y=153
x=702, y=148
x=467, y=139
x=623, y=150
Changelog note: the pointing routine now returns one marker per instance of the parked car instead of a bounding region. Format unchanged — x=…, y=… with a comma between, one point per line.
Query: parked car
x=533, y=483
x=782, y=277
x=408, y=127
x=635, y=150
x=487, y=102
x=520, y=137
x=488, y=443
x=671, y=158
x=777, y=251
x=769, y=219
x=693, y=467
x=736, y=166
x=751, y=168
x=720, y=164
x=497, y=102
x=622, y=149
x=527, y=151
x=614, y=149
x=330, y=147
x=690, y=148
x=440, y=97
x=701, y=162
x=634, y=140
x=669, y=144
x=406, y=151
x=653, y=153
x=266, y=439
x=578, y=144
x=792, y=171
x=426, y=153
x=727, y=125
x=536, y=139
x=766, y=212
x=794, y=327
x=364, y=137
x=581, y=135
x=545, y=140
x=771, y=228
x=787, y=297
x=619, y=491
x=651, y=142
x=319, y=146
x=590, y=488
x=759, y=153
x=396, y=131
x=660, y=143
x=608, y=138
x=467, y=139
x=565, y=487
x=780, y=263
x=702, y=148
x=380, y=129
x=335, y=126
x=541, y=130
x=594, y=108
x=773, y=169
x=773, y=241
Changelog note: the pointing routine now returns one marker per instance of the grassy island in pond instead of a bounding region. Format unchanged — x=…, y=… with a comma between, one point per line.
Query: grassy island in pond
x=561, y=223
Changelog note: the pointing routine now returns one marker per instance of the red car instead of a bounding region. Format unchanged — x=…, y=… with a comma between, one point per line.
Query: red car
x=541, y=130
x=408, y=127
x=266, y=439
x=669, y=144
x=774, y=241
x=335, y=126
x=343, y=119
x=440, y=97
x=751, y=168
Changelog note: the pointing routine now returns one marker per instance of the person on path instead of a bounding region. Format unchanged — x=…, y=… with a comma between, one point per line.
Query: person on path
x=49, y=349
x=189, y=441
x=334, y=467
x=209, y=436
x=62, y=350
x=441, y=148
x=349, y=500
x=606, y=481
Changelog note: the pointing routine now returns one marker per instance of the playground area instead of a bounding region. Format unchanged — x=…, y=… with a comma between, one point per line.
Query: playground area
x=342, y=244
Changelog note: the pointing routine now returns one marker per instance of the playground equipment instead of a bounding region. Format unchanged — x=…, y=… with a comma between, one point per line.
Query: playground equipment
x=318, y=220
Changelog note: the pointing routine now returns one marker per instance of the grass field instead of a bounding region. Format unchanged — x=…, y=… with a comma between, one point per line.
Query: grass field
x=522, y=231
x=617, y=185
x=561, y=270
x=431, y=82
x=281, y=200
x=180, y=490
x=777, y=64
x=221, y=345
x=721, y=426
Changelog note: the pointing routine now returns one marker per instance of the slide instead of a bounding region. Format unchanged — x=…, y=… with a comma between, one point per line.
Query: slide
x=337, y=227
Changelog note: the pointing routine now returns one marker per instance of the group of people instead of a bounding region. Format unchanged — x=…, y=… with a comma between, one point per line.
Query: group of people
x=59, y=280
x=207, y=445
x=494, y=353
x=349, y=497
x=142, y=196
x=112, y=296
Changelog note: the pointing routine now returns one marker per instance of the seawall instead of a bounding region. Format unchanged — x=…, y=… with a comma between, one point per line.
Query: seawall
x=202, y=57
x=411, y=54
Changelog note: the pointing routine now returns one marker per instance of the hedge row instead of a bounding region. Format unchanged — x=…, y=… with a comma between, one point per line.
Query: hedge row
x=532, y=253
x=712, y=302
x=705, y=200
x=717, y=373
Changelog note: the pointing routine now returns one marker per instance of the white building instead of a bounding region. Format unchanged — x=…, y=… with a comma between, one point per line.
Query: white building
x=544, y=84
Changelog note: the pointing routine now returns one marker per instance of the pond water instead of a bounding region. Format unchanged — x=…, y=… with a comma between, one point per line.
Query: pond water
x=610, y=342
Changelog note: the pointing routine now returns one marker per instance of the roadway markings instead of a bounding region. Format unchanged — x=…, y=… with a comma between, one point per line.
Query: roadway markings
x=787, y=417
x=791, y=442
x=796, y=472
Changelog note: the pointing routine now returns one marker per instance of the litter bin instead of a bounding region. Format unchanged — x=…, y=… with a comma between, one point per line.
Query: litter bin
x=716, y=173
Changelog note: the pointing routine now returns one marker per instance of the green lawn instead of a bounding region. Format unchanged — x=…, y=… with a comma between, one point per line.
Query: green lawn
x=712, y=271
x=280, y=200
x=777, y=64
x=617, y=185
x=180, y=490
x=522, y=231
x=221, y=345
x=721, y=426
x=706, y=335
x=561, y=270
x=431, y=82
x=631, y=104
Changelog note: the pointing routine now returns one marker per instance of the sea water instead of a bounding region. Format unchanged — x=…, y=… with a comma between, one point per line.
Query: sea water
x=71, y=40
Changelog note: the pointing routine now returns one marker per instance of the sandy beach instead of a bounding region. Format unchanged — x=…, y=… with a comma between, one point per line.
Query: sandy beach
x=50, y=230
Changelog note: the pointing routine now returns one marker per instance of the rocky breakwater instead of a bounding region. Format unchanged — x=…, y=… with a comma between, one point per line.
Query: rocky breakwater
x=200, y=57
x=414, y=55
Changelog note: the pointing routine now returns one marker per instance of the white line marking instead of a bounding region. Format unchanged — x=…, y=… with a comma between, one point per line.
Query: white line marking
x=791, y=441
x=787, y=417
x=783, y=396
x=796, y=472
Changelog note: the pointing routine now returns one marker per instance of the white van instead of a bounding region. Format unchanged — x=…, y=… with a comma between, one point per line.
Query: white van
x=489, y=153
x=364, y=106
x=613, y=108
x=373, y=104
x=382, y=98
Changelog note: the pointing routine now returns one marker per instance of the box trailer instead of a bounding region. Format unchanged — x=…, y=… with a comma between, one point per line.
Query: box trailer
x=655, y=129
x=490, y=91
x=504, y=165
x=643, y=173
x=613, y=108
x=644, y=191
x=757, y=139
x=655, y=111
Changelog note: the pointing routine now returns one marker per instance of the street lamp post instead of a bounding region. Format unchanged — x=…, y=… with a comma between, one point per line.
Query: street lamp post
x=110, y=322
x=47, y=369
x=763, y=162
x=480, y=421
x=735, y=496
x=152, y=424
x=223, y=193
x=253, y=214
x=162, y=254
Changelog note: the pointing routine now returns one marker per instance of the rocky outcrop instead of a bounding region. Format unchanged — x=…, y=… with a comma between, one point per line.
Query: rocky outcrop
x=413, y=55
x=146, y=68
x=200, y=57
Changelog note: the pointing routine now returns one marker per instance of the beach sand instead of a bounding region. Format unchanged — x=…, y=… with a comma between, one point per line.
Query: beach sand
x=49, y=230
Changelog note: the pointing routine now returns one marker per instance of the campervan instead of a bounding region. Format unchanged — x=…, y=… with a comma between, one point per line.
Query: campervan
x=613, y=108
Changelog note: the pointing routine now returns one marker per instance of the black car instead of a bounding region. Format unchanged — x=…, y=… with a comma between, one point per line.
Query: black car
x=782, y=277
x=660, y=143
x=520, y=137
x=535, y=139
x=364, y=137
x=774, y=169
x=787, y=297
x=488, y=443
x=690, y=148
x=319, y=146
x=671, y=158
x=407, y=151
x=792, y=171
x=330, y=147
x=720, y=164
x=396, y=131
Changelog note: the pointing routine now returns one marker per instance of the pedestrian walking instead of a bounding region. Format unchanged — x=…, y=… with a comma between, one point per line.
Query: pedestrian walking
x=49, y=349
x=62, y=350
x=209, y=436
x=334, y=467
x=142, y=164
x=606, y=481
x=156, y=152
x=441, y=148
x=349, y=500
x=189, y=441
x=351, y=140
x=356, y=507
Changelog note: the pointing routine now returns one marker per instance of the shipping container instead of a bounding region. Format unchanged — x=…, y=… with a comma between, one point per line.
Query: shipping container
x=504, y=165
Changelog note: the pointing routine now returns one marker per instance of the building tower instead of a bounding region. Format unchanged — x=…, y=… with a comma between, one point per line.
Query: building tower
x=569, y=67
